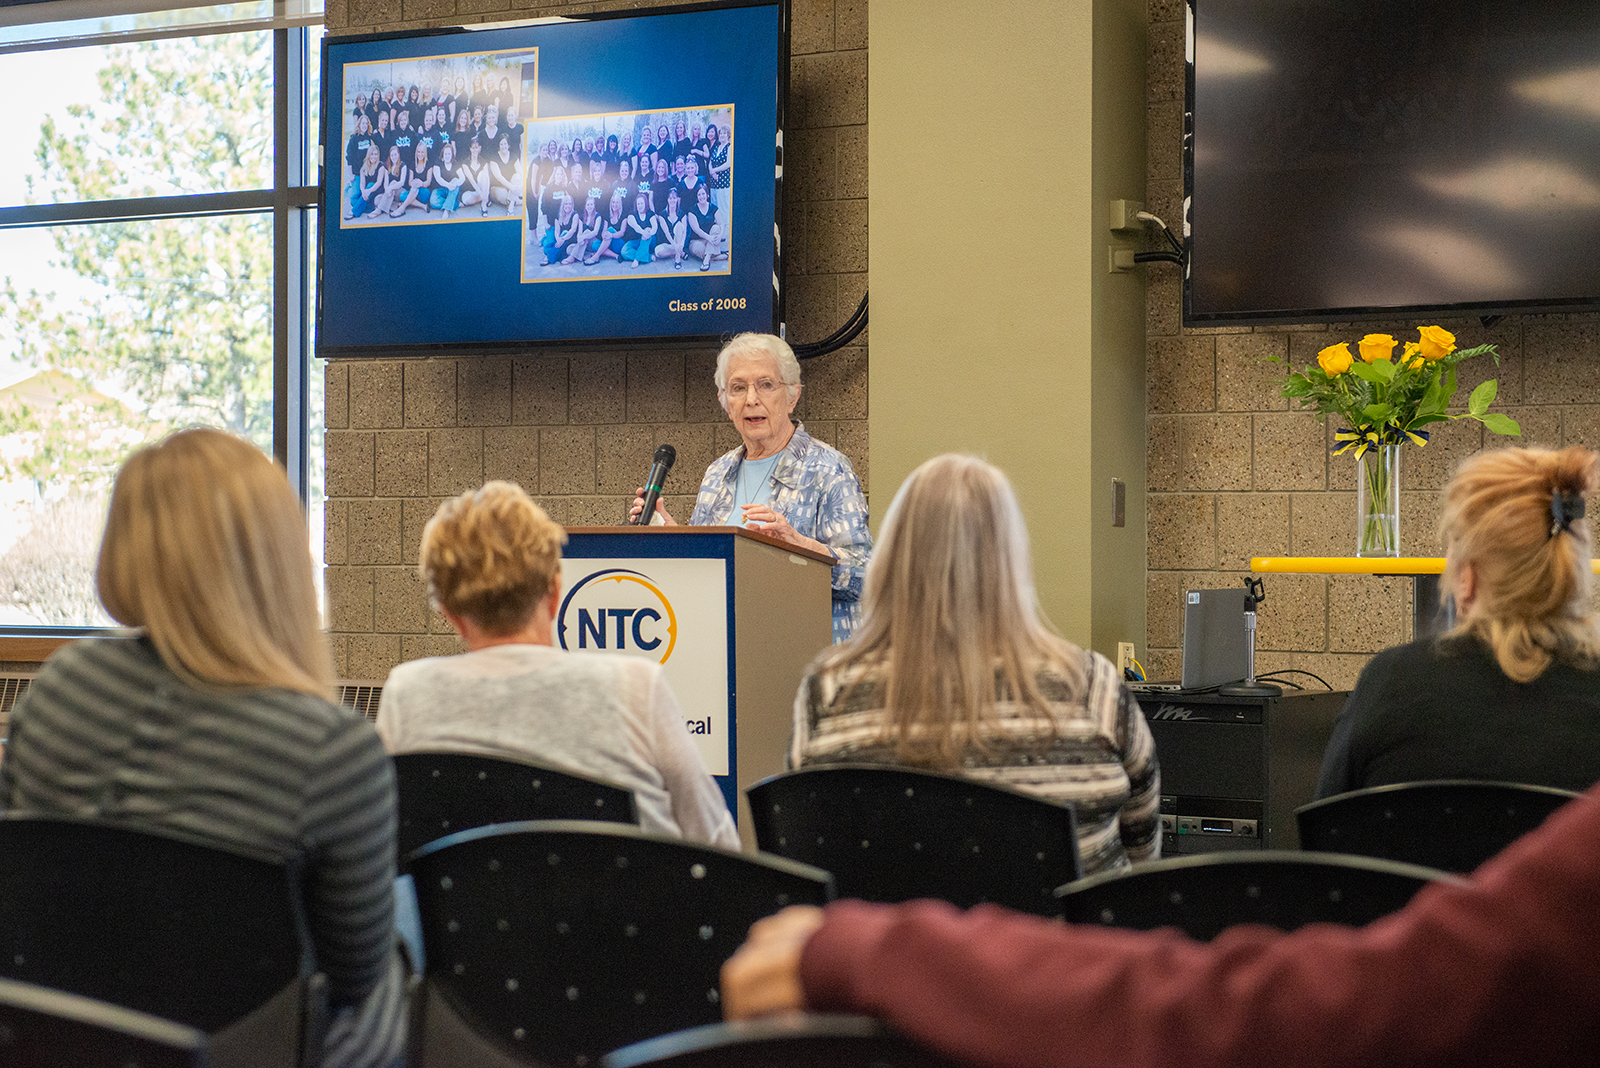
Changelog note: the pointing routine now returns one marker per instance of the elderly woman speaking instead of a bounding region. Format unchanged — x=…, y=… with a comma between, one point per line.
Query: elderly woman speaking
x=782, y=481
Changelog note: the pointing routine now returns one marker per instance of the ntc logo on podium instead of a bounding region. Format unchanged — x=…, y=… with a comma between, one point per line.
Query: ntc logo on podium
x=618, y=610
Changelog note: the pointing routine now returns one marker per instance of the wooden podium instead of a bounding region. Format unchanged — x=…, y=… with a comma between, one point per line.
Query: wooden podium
x=732, y=615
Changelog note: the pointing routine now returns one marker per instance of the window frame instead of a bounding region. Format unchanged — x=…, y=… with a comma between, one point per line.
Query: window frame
x=291, y=199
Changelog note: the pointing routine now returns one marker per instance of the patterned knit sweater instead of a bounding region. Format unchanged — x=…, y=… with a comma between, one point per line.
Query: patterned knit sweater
x=108, y=731
x=1094, y=752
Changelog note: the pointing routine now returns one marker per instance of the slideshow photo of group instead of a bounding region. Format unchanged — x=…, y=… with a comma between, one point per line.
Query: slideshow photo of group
x=624, y=195
x=437, y=139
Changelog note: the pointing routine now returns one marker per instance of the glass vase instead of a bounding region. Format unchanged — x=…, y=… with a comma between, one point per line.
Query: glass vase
x=1378, y=501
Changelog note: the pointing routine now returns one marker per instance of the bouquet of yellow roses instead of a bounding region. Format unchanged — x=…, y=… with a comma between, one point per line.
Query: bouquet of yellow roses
x=1387, y=401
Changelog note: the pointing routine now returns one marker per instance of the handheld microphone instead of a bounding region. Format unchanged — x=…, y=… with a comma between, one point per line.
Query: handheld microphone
x=665, y=457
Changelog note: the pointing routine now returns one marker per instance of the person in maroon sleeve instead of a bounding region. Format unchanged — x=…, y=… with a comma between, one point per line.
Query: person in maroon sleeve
x=1496, y=972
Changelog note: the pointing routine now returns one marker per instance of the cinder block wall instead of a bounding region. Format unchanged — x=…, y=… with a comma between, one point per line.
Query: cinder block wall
x=577, y=429
x=1234, y=473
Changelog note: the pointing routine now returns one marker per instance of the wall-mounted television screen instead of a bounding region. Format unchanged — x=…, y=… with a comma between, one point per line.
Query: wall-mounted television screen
x=598, y=180
x=1360, y=158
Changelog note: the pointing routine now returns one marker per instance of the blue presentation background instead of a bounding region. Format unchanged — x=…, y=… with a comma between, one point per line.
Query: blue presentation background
x=460, y=282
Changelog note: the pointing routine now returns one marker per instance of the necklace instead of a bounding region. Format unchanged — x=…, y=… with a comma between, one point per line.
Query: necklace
x=744, y=473
x=744, y=480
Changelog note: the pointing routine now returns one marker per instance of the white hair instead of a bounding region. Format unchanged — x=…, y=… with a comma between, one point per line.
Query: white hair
x=754, y=344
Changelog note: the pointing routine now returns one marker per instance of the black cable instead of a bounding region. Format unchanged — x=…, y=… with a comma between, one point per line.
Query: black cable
x=839, y=338
x=1178, y=254
x=834, y=338
x=1172, y=238
x=1295, y=671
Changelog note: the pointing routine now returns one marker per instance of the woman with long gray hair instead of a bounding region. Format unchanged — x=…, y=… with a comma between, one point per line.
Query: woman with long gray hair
x=954, y=668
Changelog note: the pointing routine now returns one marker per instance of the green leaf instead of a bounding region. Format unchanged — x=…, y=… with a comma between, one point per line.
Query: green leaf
x=1424, y=420
x=1385, y=370
x=1482, y=397
x=1369, y=373
x=1378, y=413
x=1500, y=423
x=1434, y=400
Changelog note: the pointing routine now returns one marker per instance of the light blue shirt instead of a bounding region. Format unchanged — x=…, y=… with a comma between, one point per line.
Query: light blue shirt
x=752, y=484
x=817, y=491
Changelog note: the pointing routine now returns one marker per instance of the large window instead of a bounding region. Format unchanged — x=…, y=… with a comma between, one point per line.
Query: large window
x=155, y=266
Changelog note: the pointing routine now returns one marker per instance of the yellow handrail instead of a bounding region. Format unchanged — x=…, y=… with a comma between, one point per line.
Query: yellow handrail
x=1355, y=565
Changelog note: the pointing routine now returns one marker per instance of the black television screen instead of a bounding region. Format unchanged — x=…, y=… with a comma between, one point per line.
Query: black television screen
x=566, y=181
x=1351, y=158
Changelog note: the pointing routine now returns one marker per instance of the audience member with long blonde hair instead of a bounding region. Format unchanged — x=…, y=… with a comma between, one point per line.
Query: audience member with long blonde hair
x=492, y=561
x=214, y=717
x=1512, y=692
x=954, y=668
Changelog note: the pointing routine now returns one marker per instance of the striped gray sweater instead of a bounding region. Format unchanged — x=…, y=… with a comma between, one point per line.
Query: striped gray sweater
x=1097, y=755
x=108, y=731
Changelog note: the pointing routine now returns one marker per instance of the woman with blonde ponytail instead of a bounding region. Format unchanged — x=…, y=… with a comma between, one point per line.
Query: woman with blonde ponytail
x=1512, y=692
x=212, y=717
x=955, y=669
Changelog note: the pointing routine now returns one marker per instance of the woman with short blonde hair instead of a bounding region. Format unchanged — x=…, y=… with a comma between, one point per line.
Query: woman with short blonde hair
x=213, y=718
x=491, y=556
x=1512, y=692
x=955, y=668
x=491, y=559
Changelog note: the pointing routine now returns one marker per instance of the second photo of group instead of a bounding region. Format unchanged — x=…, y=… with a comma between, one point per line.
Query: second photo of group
x=627, y=194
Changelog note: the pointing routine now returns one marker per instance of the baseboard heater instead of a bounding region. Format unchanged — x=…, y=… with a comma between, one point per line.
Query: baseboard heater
x=360, y=694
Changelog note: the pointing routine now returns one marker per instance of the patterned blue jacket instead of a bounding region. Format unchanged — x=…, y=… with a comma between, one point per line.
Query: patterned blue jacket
x=816, y=490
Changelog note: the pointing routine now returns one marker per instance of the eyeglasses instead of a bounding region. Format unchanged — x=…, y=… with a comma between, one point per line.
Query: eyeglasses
x=764, y=387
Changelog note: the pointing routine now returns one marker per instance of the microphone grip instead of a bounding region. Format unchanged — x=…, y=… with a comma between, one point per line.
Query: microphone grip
x=653, y=484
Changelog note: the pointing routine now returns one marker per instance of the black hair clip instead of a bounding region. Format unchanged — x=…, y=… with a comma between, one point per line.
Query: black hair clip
x=1564, y=508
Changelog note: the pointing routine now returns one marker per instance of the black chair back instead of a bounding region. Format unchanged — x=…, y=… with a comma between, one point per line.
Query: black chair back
x=211, y=938
x=796, y=1041
x=553, y=942
x=1449, y=824
x=442, y=793
x=44, y=1028
x=1204, y=895
x=893, y=834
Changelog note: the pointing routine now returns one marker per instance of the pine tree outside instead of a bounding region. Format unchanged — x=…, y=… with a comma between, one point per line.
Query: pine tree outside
x=130, y=328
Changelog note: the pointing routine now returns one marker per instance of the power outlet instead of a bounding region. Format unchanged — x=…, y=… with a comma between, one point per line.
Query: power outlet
x=1124, y=215
x=1124, y=657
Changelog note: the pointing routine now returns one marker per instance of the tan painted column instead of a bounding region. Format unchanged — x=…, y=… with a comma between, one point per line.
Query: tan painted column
x=997, y=131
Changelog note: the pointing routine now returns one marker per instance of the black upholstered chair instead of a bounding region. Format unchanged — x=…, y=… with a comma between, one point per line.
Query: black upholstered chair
x=44, y=1028
x=442, y=793
x=206, y=937
x=1204, y=895
x=797, y=1041
x=1449, y=824
x=893, y=834
x=554, y=942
